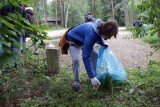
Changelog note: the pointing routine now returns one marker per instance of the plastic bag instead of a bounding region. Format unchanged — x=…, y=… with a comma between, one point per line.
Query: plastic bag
x=108, y=64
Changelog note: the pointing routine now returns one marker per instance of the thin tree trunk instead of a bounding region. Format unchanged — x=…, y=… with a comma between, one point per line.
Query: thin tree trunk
x=63, y=8
x=159, y=34
x=132, y=13
x=93, y=8
x=112, y=9
x=126, y=14
x=45, y=12
x=62, y=13
x=56, y=13
x=159, y=29
x=38, y=9
x=67, y=15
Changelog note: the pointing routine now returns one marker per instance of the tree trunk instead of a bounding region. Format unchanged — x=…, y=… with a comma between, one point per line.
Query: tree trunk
x=68, y=5
x=132, y=13
x=56, y=13
x=93, y=8
x=62, y=12
x=158, y=19
x=45, y=12
x=159, y=34
x=112, y=9
x=38, y=9
x=126, y=14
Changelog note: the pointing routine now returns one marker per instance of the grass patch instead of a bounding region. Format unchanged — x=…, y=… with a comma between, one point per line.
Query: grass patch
x=26, y=90
x=29, y=86
x=154, y=41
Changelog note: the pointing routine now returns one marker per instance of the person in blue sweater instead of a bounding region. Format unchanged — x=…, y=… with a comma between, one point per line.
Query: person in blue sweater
x=84, y=36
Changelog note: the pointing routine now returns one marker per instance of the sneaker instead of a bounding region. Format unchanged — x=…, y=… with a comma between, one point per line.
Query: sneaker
x=76, y=88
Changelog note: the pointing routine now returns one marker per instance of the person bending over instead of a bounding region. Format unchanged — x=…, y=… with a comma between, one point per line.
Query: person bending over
x=84, y=36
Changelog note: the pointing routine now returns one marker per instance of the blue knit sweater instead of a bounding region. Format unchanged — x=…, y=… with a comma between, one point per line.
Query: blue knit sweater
x=87, y=35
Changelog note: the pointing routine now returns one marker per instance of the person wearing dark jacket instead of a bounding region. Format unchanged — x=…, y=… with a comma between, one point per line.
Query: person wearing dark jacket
x=89, y=17
x=84, y=36
x=29, y=15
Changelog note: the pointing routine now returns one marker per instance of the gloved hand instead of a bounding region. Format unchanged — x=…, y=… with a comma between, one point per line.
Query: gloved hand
x=95, y=82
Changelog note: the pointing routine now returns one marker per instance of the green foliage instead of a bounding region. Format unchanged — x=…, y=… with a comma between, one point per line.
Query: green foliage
x=138, y=32
x=34, y=88
x=105, y=11
x=14, y=24
x=150, y=13
x=108, y=84
x=154, y=41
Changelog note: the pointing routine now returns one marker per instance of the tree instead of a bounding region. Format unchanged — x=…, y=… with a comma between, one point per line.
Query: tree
x=132, y=13
x=14, y=24
x=93, y=8
x=62, y=12
x=126, y=14
x=112, y=9
x=45, y=12
x=56, y=13
x=66, y=19
x=150, y=12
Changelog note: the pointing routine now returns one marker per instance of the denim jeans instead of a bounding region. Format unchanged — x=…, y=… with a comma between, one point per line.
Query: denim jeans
x=19, y=39
x=1, y=50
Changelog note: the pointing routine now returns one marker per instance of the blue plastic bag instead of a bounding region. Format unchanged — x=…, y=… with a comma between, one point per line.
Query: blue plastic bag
x=108, y=64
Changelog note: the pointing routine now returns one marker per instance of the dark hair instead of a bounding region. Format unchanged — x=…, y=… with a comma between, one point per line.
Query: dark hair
x=89, y=13
x=109, y=28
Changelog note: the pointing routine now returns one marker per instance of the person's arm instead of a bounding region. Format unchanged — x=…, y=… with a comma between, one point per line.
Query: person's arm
x=86, y=54
x=102, y=42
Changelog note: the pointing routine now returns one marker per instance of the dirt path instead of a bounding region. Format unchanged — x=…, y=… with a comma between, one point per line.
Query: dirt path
x=132, y=53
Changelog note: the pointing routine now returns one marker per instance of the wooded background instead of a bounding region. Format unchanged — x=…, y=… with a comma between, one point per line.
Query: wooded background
x=71, y=12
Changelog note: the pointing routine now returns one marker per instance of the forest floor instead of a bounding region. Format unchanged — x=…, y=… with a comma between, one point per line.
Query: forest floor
x=132, y=53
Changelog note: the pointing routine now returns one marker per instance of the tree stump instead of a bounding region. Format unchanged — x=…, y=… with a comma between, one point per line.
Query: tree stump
x=53, y=59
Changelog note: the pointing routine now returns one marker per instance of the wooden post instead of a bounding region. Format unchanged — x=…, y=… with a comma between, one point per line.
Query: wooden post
x=53, y=59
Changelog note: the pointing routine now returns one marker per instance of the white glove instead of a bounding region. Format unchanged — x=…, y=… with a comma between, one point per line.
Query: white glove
x=95, y=82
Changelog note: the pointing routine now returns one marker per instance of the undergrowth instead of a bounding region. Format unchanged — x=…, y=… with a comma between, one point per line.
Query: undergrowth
x=25, y=88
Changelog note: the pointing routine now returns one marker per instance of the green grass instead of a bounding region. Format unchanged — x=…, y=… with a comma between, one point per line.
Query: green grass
x=30, y=86
x=154, y=41
x=36, y=89
x=51, y=28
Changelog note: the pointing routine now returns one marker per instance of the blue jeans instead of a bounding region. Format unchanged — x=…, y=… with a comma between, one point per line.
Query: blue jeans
x=19, y=39
x=1, y=50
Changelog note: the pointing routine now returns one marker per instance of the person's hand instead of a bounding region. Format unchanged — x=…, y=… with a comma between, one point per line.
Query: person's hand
x=105, y=44
x=95, y=82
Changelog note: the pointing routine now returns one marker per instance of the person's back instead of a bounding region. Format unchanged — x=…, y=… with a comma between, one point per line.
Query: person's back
x=29, y=15
x=81, y=32
x=138, y=23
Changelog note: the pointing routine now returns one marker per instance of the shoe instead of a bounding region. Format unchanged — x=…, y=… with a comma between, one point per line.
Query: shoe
x=76, y=88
